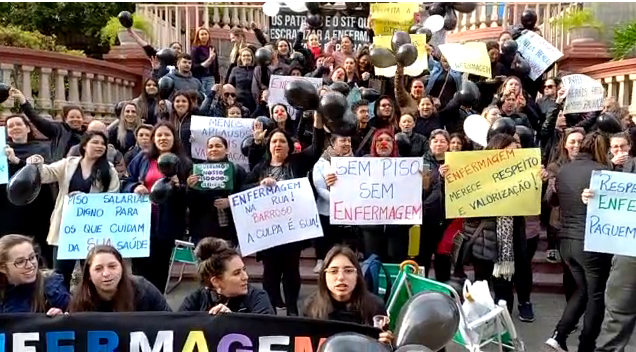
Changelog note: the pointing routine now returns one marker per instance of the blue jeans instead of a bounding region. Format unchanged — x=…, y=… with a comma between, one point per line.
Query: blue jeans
x=208, y=82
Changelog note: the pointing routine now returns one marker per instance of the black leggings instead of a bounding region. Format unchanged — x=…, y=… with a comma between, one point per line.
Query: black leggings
x=155, y=267
x=282, y=263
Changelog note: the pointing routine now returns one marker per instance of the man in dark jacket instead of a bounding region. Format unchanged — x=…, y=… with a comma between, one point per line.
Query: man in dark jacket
x=182, y=77
x=361, y=141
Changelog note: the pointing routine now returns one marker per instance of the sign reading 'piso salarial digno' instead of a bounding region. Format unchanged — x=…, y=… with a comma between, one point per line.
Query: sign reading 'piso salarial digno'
x=336, y=24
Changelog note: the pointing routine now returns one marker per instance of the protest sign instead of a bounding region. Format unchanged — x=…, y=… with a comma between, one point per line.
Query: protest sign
x=336, y=24
x=120, y=220
x=267, y=217
x=539, y=53
x=469, y=58
x=167, y=332
x=233, y=130
x=609, y=227
x=4, y=165
x=376, y=191
x=277, y=86
x=585, y=94
x=219, y=176
x=493, y=183
x=390, y=17
x=416, y=69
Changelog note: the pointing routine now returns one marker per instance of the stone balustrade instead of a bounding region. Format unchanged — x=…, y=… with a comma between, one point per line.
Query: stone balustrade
x=618, y=79
x=52, y=80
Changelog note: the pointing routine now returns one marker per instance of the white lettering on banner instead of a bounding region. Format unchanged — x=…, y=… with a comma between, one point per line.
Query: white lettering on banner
x=376, y=191
x=115, y=219
x=585, y=94
x=539, y=53
x=232, y=129
x=267, y=217
x=277, y=85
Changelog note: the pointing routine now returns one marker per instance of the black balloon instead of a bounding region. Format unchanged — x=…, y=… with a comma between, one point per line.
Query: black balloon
x=346, y=127
x=24, y=186
x=520, y=66
x=369, y=94
x=246, y=144
x=352, y=5
x=465, y=7
x=382, y=58
x=352, y=342
x=340, y=87
x=414, y=348
x=168, y=164
x=314, y=20
x=125, y=19
x=469, y=93
x=4, y=92
x=429, y=319
x=313, y=7
x=398, y=39
x=406, y=55
x=161, y=191
x=166, y=87
x=528, y=19
x=263, y=56
x=332, y=106
x=167, y=57
x=302, y=94
x=119, y=107
x=503, y=125
x=414, y=28
x=509, y=47
x=298, y=57
x=526, y=136
x=268, y=124
x=426, y=31
x=403, y=143
x=608, y=123
x=516, y=31
x=437, y=8
x=450, y=20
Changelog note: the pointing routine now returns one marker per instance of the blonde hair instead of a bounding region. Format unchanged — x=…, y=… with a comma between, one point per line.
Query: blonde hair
x=123, y=127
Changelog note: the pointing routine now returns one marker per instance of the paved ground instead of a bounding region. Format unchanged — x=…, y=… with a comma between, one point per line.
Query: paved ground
x=548, y=309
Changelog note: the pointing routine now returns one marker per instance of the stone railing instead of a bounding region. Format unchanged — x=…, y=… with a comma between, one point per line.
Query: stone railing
x=618, y=79
x=178, y=22
x=51, y=80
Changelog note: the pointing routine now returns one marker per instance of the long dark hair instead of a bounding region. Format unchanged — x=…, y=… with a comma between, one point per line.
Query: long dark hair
x=177, y=147
x=290, y=142
x=30, y=135
x=101, y=167
x=142, y=100
x=38, y=300
x=500, y=141
x=320, y=303
x=84, y=298
x=174, y=118
x=596, y=144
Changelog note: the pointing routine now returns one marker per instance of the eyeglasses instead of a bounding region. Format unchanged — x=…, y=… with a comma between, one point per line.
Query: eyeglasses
x=345, y=271
x=21, y=263
x=550, y=86
x=233, y=95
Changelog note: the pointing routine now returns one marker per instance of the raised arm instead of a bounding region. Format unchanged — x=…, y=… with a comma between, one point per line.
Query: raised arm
x=49, y=128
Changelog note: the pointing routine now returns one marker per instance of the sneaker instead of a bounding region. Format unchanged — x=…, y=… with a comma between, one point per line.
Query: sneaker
x=554, y=345
x=553, y=256
x=526, y=313
x=318, y=266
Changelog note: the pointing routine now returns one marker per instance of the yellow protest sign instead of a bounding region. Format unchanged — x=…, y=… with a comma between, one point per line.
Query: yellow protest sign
x=390, y=17
x=416, y=69
x=468, y=58
x=503, y=182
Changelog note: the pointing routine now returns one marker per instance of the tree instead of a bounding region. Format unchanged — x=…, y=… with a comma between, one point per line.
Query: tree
x=76, y=25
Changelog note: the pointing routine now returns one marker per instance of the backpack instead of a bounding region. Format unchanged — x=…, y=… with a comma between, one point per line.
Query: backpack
x=371, y=273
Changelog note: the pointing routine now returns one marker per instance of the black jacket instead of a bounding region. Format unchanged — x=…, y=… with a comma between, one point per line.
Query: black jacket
x=241, y=79
x=571, y=180
x=256, y=301
x=147, y=298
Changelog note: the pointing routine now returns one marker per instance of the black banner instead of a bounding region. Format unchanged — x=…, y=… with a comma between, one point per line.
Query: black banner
x=166, y=332
x=286, y=24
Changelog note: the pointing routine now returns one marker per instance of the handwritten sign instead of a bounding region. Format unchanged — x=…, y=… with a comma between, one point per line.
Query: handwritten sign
x=493, y=183
x=4, y=165
x=609, y=227
x=469, y=58
x=118, y=220
x=218, y=176
x=376, y=191
x=267, y=217
x=416, y=69
x=539, y=53
x=233, y=130
x=277, y=86
x=391, y=17
x=585, y=94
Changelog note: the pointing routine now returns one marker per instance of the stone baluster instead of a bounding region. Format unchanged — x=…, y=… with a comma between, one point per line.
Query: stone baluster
x=109, y=95
x=632, y=103
x=117, y=96
x=483, y=9
x=131, y=90
x=60, y=91
x=621, y=89
x=127, y=90
x=494, y=15
x=250, y=17
x=226, y=18
x=87, y=96
x=44, y=96
x=27, y=90
x=98, y=97
x=7, y=69
x=243, y=17
x=473, y=19
x=73, y=87
x=610, y=86
x=216, y=18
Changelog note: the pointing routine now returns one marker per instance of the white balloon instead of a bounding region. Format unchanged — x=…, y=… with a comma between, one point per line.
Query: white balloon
x=434, y=23
x=271, y=8
x=296, y=6
x=476, y=129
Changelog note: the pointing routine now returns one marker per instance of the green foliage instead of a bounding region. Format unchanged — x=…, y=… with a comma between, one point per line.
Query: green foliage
x=76, y=25
x=19, y=38
x=624, y=40
x=113, y=27
x=579, y=18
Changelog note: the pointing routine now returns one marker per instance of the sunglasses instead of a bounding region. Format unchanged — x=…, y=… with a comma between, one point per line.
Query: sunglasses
x=549, y=86
x=233, y=95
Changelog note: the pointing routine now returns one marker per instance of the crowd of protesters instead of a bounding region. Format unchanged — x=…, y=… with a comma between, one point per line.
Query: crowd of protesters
x=79, y=156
